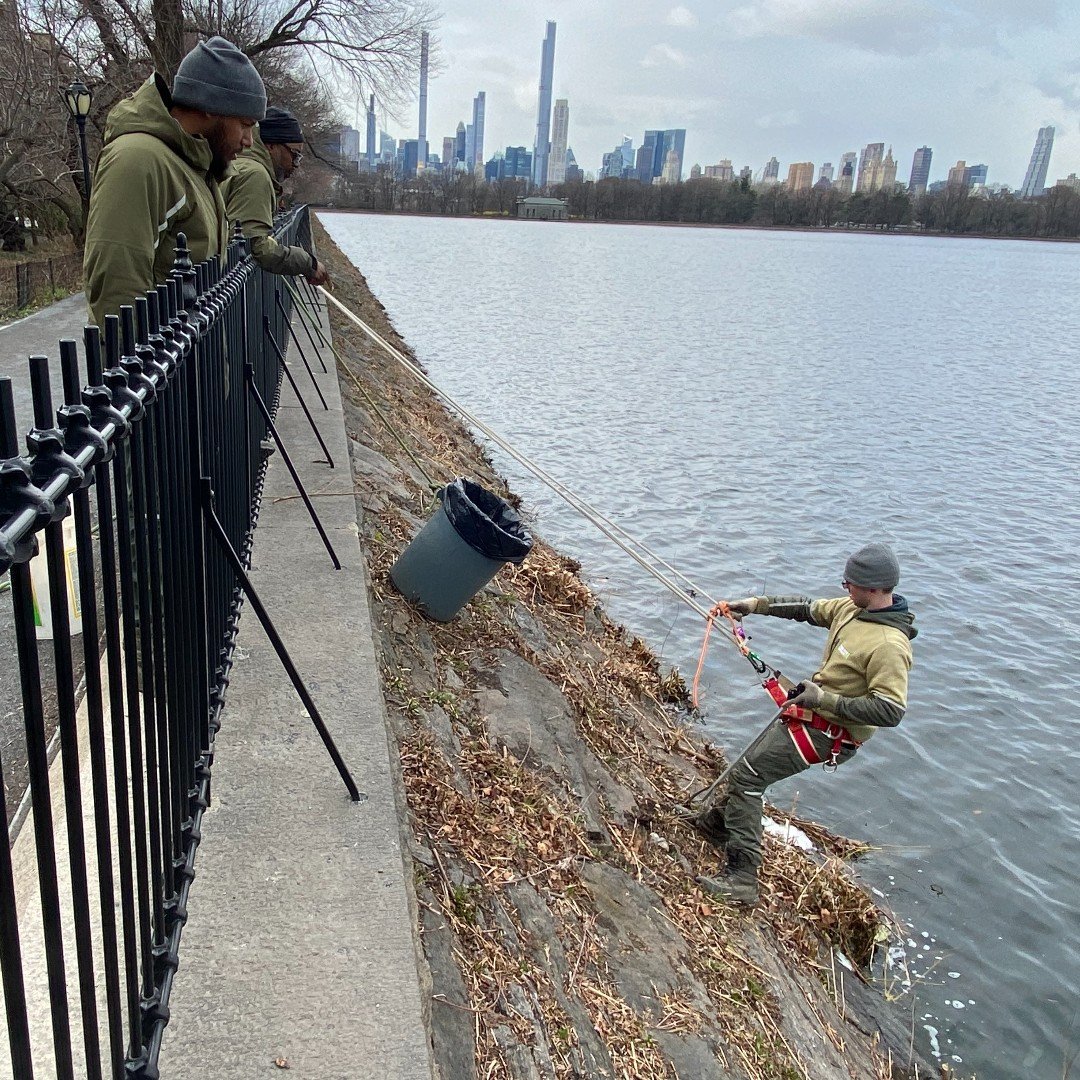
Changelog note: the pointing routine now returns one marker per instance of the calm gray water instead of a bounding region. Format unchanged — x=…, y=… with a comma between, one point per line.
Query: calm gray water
x=754, y=405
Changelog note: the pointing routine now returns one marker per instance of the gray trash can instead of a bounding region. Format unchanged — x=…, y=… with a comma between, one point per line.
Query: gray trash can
x=459, y=550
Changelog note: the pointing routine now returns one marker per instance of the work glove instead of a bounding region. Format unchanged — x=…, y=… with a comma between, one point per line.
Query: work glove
x=809, y=697
x=739, y=608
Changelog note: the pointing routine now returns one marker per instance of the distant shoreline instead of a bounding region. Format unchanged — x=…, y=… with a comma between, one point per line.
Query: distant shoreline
x=708, y=225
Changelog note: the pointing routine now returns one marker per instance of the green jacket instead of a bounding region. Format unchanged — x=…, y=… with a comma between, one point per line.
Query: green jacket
x=251, y=193
x=864, y=669
x=152, y=182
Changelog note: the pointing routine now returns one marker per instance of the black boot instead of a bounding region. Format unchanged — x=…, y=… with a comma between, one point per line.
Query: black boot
x=710, y=823
x=738, y=882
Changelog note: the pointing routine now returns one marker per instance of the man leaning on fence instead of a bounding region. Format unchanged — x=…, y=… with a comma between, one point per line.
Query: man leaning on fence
x=252, y=190
x=164, y=156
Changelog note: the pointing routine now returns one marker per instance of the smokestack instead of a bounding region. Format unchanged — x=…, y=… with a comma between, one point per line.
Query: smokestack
x=421, y=150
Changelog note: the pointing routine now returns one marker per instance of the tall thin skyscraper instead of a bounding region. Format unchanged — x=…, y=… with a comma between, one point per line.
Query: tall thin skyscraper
x=920, y=170
x=470, y=148
x=543, y=113
x=478, y=105
x=560, y=126
x=459, y=145
x=421, y=148
x=371, y=149
x=1035, y=177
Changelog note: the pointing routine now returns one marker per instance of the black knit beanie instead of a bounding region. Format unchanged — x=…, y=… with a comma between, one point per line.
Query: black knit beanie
x=216, y=77
x=280, y=126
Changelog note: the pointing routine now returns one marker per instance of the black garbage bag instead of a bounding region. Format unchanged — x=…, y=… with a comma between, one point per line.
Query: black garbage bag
x=485, y=522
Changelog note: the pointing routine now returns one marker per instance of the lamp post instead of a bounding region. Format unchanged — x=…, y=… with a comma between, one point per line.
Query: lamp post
x=78, y=98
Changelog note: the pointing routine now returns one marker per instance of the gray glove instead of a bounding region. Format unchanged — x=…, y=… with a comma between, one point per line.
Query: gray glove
x=739, y=608
x=809, y=697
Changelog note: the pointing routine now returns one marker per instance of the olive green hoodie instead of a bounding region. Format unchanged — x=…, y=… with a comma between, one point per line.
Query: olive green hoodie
x=251, y=193
x=152, y=182
x=864, y=669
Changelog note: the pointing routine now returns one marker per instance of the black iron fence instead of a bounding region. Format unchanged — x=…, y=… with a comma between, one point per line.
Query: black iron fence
x=158, y=454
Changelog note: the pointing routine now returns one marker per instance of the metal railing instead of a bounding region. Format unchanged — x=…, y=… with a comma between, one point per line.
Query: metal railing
x=157, y=453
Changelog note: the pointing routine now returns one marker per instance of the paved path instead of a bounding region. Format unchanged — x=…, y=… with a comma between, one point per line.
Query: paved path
x=39, y=334
x=299, y=943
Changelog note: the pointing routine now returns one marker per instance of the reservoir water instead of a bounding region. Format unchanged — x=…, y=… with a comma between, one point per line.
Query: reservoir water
x=753, y=406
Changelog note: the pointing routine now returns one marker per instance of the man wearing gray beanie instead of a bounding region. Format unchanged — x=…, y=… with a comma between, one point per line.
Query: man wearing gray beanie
x=164, y=155
x=254, y=186
x=860, y=686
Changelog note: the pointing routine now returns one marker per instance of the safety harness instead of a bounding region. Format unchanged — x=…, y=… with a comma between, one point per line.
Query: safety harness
x=794, y=717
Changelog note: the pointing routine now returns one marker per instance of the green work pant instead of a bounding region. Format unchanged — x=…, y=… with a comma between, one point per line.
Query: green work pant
x=774, y=758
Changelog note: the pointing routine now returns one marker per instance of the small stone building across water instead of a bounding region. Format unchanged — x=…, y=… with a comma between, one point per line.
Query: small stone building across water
x=543, y=209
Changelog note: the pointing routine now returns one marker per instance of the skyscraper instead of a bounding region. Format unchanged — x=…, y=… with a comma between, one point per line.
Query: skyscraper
x=920, y=170
x=826, y=172
x=421, y=138
x=459, y=146
x=652, y=155
x=371, y=147
x=888, y=172
x=349, y=144
x=543, y=111
x=470, y=148
x=868, y=166
x=560, y=127
x=845, y=182
x=476, y=162
x=800, y=175
x=958, y=175
x=448, y=147
x=976, y=175
x=771, y=175
x=1035, y=177
x=670, y=173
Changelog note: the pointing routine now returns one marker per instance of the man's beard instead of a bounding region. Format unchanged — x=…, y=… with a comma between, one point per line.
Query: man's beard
x=219, y=151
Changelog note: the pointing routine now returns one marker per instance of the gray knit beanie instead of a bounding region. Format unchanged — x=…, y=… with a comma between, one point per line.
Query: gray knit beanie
x=216, y=77
x=873, y=567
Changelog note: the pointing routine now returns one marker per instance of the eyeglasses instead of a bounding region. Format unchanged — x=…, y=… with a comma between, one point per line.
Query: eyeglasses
x=296, y=155
x=846, y=584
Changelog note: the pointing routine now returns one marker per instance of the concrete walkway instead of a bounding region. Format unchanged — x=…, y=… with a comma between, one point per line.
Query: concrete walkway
x=299, y=947
x=299, y=944
x=39, y=334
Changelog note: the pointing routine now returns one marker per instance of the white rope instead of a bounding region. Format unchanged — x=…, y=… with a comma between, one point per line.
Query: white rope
x=614, y=532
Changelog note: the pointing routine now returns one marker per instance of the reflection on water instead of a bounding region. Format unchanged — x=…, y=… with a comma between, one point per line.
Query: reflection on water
x=753, y=406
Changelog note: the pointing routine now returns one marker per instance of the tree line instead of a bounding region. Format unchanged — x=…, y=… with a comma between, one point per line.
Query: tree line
x=707, y=201
x=309, y=53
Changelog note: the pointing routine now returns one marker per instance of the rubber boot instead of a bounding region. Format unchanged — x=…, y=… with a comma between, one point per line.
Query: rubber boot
x=737, y=883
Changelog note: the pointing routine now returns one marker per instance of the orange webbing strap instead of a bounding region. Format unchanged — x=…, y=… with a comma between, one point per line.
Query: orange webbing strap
x=720, y=608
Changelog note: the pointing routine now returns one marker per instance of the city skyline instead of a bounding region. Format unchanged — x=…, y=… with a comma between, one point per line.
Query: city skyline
x=649, y=65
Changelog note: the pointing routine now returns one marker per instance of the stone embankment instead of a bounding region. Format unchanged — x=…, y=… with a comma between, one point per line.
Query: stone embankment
x=541, y=748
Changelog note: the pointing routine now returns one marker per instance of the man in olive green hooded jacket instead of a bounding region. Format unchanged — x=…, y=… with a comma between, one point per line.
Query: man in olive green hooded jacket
x=165, y=153
x=860, y=686
x=252, y=190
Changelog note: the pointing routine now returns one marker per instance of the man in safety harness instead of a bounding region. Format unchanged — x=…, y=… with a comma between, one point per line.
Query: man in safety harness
x=861, y=685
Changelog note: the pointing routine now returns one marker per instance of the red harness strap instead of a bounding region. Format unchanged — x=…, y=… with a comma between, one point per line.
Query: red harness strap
x=799, y=719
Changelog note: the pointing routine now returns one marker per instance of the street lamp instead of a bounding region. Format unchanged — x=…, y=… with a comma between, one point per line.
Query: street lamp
x=78, y=100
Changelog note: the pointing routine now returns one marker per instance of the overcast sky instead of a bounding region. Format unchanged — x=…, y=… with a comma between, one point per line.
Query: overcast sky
x=805, y=80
